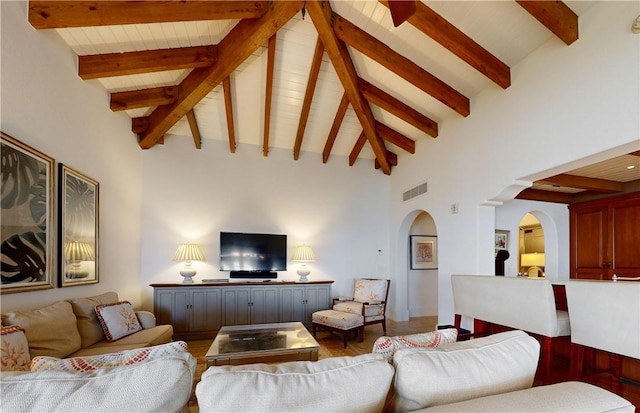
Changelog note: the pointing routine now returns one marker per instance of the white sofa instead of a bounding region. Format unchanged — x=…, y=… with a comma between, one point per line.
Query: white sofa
x=157, y=379
x=487, y=374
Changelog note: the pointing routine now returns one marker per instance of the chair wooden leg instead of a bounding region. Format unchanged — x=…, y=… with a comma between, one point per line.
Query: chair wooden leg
x=546, y=358
x=577, y=361
x=361, y=334
x=615, y=361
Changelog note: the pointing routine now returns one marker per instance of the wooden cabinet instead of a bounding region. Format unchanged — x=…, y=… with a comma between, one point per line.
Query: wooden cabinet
x=605, y=237
x=197, y=311
x=191, y=311
x=298, y=303
x=249, y=305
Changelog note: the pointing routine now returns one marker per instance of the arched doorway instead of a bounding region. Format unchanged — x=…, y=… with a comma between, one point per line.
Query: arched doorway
x=417, y=289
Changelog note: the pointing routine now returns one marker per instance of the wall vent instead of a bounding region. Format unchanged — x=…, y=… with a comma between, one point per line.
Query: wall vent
x=414, y=192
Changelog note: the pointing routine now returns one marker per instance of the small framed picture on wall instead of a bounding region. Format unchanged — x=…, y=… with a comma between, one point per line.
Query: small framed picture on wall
x=501, y=240
x=424, y=252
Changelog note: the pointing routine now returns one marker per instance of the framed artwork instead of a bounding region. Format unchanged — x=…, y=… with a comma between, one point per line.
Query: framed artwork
x=26, y=218
x=78, y=228
x=424, y=252
x=501, y=240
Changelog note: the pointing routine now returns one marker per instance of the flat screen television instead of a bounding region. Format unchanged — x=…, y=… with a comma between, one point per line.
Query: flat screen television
x=253, y=255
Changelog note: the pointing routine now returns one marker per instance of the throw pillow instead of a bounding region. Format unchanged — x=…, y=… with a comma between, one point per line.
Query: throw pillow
x=88, y=323
x=51, y=331
x=15, y=349
x=117, y=320
x=387, y=346
x=105, y=361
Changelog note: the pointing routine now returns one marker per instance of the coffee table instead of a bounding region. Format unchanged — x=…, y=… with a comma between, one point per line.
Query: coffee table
x=262, y=343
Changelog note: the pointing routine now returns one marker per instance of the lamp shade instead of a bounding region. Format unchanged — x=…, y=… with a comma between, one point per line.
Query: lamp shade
x=189, y=252
x=79, y=251
x=303, y=253
x=532, y=259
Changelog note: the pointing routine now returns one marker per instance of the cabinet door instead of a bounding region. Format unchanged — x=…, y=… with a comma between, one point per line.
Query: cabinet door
x=625, y=217
x=171, y=307
x=589, y=241
x=317, y=297
x=264, y=305
x=235, y=306
x=292, y=304
x=205, y=310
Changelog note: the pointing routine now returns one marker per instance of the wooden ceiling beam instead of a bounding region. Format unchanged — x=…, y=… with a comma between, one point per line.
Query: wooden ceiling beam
x=228, y=105
x=130, y=63
x=244, y=39
x=545, y=196
x=392, y=157
x=453, y=39
x=396, y=138
x=401, y=10
x=324, y=21
x=583, y=182
x=308, y=97
x=357, y=148
x=555, y=16
x=57, y=14
x=145, y=98
x=335, y=127
x=400, y=65
x=400, y=109
x=271, y=61
x=195, y=131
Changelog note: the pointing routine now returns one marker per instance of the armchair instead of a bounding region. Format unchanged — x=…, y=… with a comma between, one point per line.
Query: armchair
x=369, y=299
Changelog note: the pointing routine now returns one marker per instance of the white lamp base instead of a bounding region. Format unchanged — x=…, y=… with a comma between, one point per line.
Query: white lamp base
x=188, y=276
x=303, y=271
x=535, y=272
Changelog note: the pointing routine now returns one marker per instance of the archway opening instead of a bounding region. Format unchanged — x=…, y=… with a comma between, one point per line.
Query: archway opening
x=422, y=274
x=531, y=247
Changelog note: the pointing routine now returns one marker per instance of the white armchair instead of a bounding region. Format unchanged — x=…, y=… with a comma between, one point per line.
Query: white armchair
x=369, y=299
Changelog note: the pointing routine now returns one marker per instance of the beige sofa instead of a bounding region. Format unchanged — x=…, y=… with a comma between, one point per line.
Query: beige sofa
x=493, y=373
x=71, y=329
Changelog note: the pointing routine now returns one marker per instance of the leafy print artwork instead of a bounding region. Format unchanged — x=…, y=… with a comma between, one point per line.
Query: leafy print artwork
x=25, y=213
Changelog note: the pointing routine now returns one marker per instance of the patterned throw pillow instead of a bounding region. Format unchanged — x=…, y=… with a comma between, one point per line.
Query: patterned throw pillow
x=387, y=346
x=117, y=320
x=105, y=361
x=15, y=349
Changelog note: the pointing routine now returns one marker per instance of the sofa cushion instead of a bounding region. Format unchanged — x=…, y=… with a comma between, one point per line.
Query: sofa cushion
x=15, y=349
x=387, y=346
x=160, y=385
x=145, y=338
x=334, y=384
x=464, y=370
x=85, y=310
x=109, y=360
x=561, y=397
x=117, y=320
x=51, y=331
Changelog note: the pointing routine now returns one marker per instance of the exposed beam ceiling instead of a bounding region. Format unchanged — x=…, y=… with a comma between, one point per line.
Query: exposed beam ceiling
x=369, y=58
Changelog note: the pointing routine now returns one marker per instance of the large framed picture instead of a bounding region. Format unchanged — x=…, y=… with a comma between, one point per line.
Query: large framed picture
x=78, y=233
x=424, y=252
x=26, y=218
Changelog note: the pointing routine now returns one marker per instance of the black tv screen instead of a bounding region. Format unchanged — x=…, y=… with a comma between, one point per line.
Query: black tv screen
x=252, y=255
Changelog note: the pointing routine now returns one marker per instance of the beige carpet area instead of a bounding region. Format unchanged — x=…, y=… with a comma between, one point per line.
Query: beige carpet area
x=331, y=344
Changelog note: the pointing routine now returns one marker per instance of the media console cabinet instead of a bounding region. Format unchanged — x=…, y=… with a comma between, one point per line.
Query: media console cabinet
x=197, y=311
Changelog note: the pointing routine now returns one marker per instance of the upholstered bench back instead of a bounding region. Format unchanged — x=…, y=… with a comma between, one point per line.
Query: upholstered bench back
x=520, y=303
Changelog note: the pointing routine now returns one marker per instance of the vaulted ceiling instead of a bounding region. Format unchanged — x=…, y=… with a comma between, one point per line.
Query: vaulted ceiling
x=363, y=79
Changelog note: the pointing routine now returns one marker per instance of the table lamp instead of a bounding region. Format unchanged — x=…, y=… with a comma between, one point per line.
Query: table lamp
x=303, y=254
x=188, y=252
x=534, y=261
x=75, y=252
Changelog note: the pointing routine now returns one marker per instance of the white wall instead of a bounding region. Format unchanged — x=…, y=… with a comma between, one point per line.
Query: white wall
x=566, y=103
x=47, y=106
x=191, y=195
